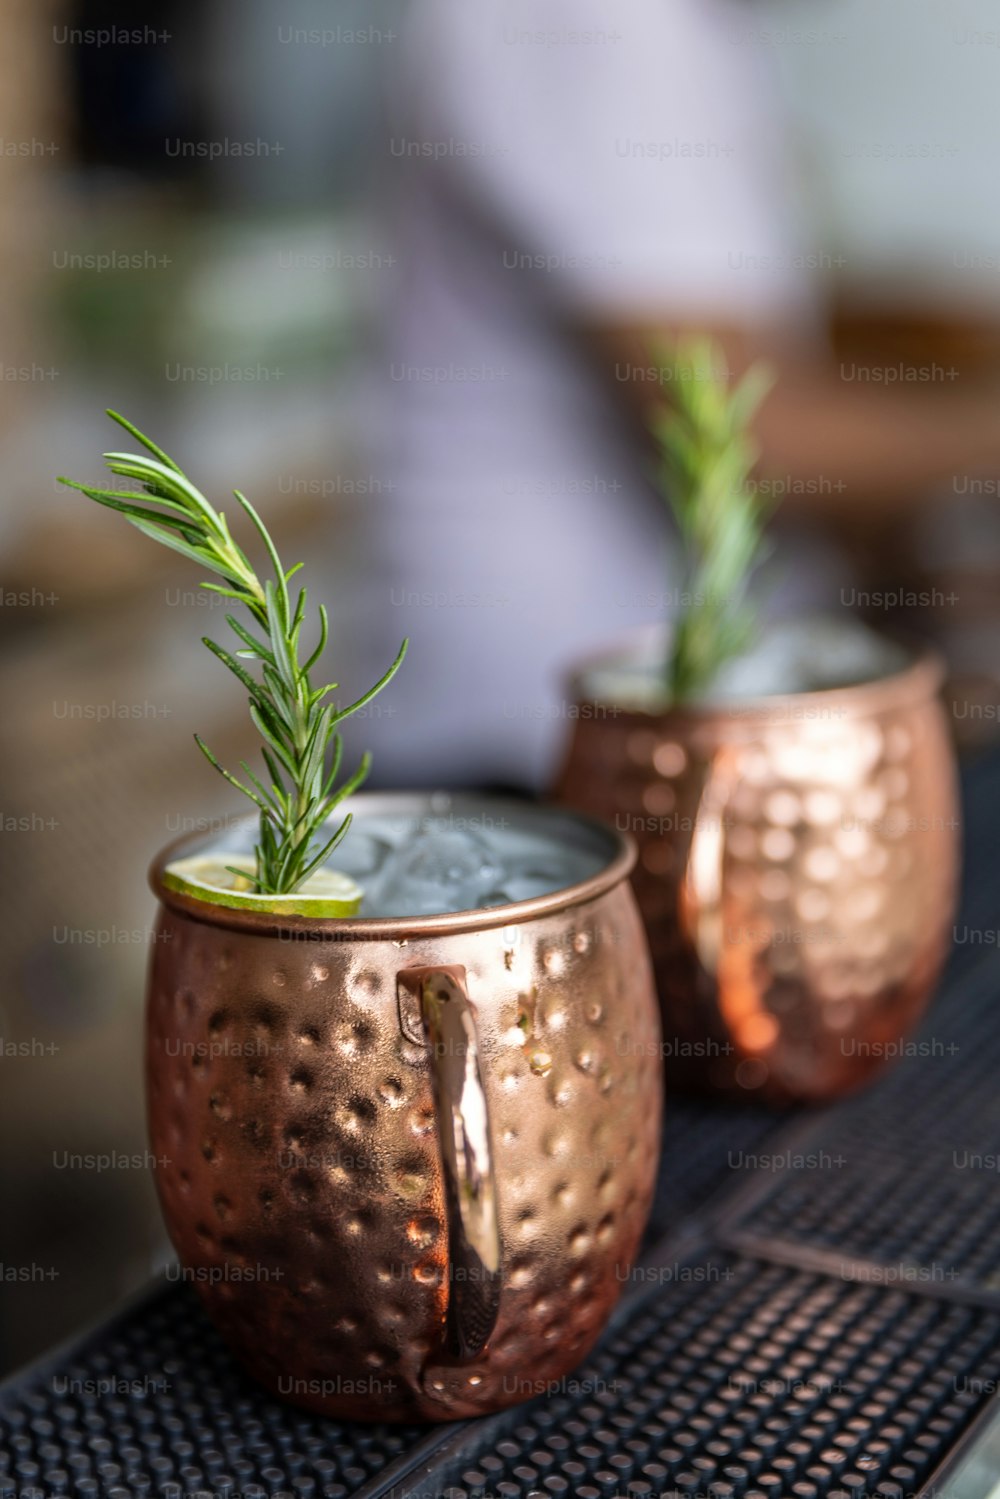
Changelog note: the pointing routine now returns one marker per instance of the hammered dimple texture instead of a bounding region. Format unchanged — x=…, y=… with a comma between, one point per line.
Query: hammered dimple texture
x=292, y=1115
x=796, y=874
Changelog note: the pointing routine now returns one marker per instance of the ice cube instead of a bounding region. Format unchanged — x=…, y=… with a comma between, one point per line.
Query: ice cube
x=433, y=872
x=360, y=853
x=525, y=884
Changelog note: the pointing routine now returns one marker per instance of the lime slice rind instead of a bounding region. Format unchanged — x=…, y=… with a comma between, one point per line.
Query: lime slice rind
x=326, y=893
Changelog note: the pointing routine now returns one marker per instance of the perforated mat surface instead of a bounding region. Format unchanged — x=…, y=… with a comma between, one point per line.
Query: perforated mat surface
x=746, y=1379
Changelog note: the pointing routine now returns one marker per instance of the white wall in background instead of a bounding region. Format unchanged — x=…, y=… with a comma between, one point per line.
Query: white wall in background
x=919, y=82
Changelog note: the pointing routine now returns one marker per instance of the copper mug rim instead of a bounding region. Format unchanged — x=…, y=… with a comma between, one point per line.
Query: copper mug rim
x=919, y=678
x=622, y=854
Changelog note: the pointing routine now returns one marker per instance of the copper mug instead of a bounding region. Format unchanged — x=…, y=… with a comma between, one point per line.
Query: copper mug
x=406, y=1163
x=796, y=872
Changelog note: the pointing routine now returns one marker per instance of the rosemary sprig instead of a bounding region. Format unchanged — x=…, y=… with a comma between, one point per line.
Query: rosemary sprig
x=707, y=454
x=302, y=746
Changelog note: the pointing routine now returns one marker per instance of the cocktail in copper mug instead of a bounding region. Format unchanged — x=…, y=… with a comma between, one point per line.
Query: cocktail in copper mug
x=406, y=1162
x=796, y=872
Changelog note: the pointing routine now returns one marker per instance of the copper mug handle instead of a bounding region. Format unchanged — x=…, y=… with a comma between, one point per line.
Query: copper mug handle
x=447, y=1020
x=700, y=889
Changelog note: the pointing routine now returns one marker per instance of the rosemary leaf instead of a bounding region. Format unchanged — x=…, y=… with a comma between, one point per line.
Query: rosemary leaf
x=301, y=748
x=707, y=457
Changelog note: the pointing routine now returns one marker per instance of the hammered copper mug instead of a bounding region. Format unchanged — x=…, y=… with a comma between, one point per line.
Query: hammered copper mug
x=796, y=872
x=406, y=1164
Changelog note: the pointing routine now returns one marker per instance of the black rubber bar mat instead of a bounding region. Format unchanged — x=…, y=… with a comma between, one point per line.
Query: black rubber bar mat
x=152, y=1403
x=734, y=1378
x=701, y=1149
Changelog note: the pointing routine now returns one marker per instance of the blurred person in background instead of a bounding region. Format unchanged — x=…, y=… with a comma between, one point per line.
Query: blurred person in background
x=568, y=184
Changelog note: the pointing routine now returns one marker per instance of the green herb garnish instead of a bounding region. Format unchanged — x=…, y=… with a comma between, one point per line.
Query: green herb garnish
x=302, y=747
x=707, y=455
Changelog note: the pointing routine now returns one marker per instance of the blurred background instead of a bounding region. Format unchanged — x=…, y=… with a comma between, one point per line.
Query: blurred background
x=290, y=247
